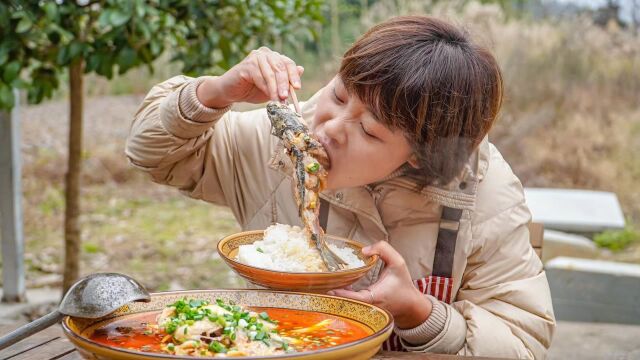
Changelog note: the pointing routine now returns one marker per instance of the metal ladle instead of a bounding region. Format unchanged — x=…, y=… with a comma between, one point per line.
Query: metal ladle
x=91, y=297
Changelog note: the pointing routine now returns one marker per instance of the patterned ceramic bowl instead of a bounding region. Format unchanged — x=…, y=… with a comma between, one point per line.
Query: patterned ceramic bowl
x=317, y=282
x=376, y=320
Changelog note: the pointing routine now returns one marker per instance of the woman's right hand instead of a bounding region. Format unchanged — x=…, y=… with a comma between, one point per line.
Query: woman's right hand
x=262, y=76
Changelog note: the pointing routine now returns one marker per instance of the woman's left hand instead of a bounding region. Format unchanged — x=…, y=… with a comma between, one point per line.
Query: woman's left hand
x=394, y=290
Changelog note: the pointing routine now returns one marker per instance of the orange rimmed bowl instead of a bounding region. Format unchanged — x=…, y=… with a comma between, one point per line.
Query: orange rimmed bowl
x=317, y=282
x=378, y=322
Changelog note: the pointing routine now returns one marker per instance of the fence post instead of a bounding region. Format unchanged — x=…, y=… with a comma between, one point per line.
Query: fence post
x=11, y=206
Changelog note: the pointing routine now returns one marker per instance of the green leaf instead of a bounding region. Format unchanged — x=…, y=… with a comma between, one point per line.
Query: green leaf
x=118, y=18
x=140, y=9
x=32, y=94
x=126, y=59
x=63, y=56
x=75, y=49
x=11, y=71
x=103, y=19
x=24, y=25
x=93, y=62
x=106, y=67
x=51, y=9
x=155, y=46
x=4, y=55
x=7, y=101
x=19, y=83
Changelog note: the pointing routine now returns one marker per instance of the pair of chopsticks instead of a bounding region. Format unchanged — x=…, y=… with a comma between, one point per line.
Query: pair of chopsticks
x=293, y=96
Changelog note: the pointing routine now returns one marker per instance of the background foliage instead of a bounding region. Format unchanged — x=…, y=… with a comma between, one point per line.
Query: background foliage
x=39, y=39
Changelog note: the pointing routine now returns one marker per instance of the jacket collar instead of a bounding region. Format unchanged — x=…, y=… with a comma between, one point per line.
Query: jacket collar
x=460, y=193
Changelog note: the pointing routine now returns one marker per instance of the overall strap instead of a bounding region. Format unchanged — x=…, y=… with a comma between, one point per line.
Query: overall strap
x=323, y=217
x=446, y=243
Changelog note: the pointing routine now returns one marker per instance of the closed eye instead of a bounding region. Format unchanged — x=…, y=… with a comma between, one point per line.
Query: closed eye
x=336, y=96
x=365, y=131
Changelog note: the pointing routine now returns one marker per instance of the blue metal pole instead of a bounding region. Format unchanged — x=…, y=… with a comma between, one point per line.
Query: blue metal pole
x=11, y=207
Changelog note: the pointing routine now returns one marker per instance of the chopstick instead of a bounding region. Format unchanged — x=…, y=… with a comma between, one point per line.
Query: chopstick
x=295, y=99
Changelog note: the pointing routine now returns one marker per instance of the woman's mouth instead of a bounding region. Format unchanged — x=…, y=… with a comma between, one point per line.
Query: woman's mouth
x=325, y=161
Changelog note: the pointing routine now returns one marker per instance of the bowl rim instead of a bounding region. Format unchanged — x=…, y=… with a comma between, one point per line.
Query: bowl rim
x=387, y=328
x=373, y=259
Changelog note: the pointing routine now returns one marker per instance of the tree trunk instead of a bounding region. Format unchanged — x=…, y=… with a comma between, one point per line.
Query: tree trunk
x=72, y=179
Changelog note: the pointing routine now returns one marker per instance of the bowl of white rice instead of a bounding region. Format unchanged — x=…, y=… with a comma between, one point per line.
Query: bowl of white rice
x=282, y=258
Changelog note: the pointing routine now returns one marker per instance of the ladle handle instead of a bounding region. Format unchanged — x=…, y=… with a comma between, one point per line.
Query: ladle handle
x=30, y=329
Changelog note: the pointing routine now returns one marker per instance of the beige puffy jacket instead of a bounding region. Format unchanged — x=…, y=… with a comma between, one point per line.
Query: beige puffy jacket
x=501, y=303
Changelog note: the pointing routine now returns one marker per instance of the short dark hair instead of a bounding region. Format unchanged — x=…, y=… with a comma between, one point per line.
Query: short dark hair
x=425, y=76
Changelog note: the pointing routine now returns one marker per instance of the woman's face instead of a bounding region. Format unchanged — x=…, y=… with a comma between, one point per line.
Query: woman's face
x=361, y=149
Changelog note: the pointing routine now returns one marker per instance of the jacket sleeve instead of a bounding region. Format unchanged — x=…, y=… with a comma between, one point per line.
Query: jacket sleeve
x=503, y=308
x=215, y=155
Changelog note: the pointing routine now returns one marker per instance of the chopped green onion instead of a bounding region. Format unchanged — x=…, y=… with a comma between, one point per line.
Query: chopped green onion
x=196, y=303
x=260, y=250
x=313, y=167
x=217, y=347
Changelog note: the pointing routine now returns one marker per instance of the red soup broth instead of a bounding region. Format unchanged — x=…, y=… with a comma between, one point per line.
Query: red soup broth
x=131, y=332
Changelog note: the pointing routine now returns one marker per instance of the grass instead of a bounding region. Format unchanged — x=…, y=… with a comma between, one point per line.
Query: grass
x=617, y=240
x=150, y=232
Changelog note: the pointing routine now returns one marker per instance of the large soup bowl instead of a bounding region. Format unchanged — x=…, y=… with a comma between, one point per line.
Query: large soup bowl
x=376, y=321
x=317, y=282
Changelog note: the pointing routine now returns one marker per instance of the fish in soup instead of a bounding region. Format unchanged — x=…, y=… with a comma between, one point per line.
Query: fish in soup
x=220, y=329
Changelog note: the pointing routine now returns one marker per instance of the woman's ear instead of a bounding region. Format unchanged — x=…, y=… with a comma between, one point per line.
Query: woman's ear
x=413, y=161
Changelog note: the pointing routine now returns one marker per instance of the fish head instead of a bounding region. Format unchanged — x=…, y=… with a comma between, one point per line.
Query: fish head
x=283, y=118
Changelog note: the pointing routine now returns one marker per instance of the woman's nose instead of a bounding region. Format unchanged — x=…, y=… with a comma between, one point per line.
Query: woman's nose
x=335, y=130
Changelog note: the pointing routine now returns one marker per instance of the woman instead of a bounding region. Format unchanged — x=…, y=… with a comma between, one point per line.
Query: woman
x=412, y=174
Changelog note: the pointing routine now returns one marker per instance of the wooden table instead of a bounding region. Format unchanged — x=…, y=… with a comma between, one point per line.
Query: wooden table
x=51, y=344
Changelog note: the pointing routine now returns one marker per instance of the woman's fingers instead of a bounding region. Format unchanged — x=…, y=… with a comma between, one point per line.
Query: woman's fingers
x=386, y=252
x=273, y=73
x=362, y=295
x=282, y=75
x=294, y=73
x=259, y=82
x=268, y=75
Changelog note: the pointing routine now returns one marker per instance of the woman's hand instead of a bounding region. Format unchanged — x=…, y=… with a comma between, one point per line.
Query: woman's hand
x=263, y=75
x=394, y=290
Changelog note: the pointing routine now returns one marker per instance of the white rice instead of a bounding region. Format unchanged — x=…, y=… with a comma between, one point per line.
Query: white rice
x=286, y=248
